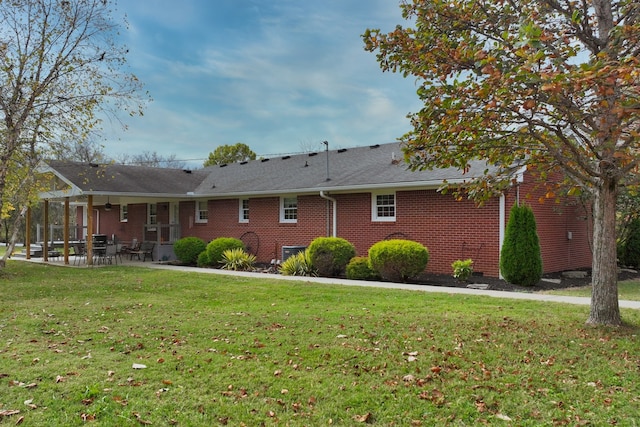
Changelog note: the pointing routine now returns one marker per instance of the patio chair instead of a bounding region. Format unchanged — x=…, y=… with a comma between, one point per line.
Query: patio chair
x=111, y=254
x=79, y=253
x=135, y=246
x=146, y=248
x=119, y=248
x=99, y=248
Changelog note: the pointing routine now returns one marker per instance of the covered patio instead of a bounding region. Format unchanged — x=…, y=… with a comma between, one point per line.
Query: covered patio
x=130, y=209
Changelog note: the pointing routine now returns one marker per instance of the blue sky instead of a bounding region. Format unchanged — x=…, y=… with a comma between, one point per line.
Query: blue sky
x=278, y=75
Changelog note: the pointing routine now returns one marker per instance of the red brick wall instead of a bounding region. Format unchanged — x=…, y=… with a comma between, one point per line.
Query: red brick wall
x=423, y=216
x=125, y=231
x=264, y=221
x=554, y=221
x=450, y=229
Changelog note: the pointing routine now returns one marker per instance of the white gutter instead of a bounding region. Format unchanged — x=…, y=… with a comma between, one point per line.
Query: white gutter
x=335, y=214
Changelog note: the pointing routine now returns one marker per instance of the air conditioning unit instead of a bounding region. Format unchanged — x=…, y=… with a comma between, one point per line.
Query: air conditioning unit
x=288, y=251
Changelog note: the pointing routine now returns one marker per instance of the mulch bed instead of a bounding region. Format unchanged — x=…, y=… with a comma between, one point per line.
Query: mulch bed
x=554, y=281
x=549, y=281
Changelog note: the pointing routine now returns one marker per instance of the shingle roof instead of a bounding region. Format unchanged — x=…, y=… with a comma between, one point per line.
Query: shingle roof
x=352, y=169
x=124, y=179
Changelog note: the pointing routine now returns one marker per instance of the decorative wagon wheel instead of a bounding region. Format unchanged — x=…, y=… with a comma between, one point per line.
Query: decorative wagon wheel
x=397, y=235
x=251, y=242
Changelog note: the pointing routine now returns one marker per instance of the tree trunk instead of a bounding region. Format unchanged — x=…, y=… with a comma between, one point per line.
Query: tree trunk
x=11, y=244
x=604, y=294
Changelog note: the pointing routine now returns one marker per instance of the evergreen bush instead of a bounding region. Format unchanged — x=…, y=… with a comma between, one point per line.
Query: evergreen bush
x=398, y=260
x=630, y=248
x=216, y=248
x=330, y=255
x=203, y=259
x=359, y=268
x=520, y=258
x=187, y=249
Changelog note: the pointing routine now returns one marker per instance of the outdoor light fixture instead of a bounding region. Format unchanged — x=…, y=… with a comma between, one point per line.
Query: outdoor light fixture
x=107, y=206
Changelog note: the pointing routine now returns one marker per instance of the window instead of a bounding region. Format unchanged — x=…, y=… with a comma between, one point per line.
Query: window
x=289, y=209
x=124, y=213
x=152, y=213
x=202, y=211
x=383, y=207
x=244, y=210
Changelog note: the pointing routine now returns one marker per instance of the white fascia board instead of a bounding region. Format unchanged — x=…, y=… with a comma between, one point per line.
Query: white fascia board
x=61, y=194
x=432, y=185
x=45, y=168
x=134, y=195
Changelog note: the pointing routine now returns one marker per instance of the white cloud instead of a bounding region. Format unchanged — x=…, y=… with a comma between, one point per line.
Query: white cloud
x=269, y=74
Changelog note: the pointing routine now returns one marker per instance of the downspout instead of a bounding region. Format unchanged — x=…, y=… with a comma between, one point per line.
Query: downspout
x=335, y=214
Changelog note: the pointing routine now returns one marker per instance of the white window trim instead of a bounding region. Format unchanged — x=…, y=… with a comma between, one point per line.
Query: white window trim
x=241, y=211
x=124, y=212
x=282, y=218
x=374, y=207
x=199, y=220
x=151, y=216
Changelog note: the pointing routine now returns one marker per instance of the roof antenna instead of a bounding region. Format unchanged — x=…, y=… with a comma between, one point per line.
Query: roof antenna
x=327, y=145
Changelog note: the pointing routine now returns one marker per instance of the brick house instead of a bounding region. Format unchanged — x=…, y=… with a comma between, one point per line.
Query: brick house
x=363, y=194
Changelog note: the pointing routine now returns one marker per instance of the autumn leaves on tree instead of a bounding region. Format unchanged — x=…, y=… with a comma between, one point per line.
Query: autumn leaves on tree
x=551, y=84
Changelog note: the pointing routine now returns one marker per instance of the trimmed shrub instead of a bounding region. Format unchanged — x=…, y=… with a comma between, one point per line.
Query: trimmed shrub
x=216, y=248
x=238, y=260
x=520, y=258
x=630, y=248
x=298, y=265
x=203, y=259
x=330, y=255
x=398, y=260
x=187, y=249
x=359, y=268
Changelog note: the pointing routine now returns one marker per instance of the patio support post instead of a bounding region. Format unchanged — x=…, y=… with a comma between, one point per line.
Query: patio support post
x=66, y=231
x=45, y=235
x=89, y=229
x=27, y=235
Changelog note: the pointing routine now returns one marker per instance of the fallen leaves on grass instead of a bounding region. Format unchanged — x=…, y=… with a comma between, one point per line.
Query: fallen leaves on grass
x=141, y=420
x=87, y=417
x=366, y=418
x=435, y=396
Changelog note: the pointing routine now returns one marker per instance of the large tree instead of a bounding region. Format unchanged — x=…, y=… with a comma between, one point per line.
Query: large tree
x=223, y=154
x=552, y=84
x=61, y=70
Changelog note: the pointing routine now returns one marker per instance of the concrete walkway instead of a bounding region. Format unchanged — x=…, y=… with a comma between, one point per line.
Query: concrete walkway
x=422, y=288
x=387, y=285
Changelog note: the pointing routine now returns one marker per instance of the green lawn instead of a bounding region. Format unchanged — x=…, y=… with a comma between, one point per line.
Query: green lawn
x=627, y=290
x=222, y=350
